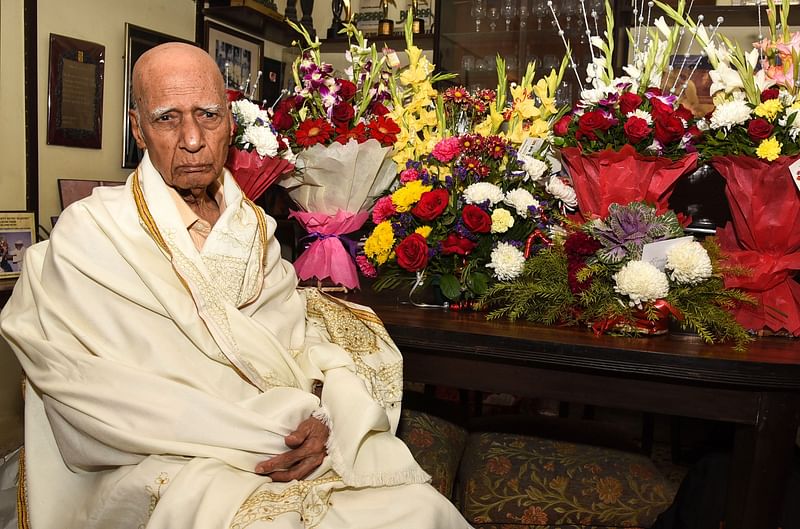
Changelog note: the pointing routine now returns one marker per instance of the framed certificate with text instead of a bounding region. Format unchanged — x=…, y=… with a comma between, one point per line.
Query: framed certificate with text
x=17, y=233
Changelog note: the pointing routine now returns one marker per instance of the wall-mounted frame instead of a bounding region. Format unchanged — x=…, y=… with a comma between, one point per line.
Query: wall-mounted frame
x=238, y=56
x=17, y=233
x=137, y=41
x=75, y=92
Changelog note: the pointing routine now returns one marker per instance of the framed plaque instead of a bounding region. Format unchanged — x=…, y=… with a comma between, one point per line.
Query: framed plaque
x=75, y=92
x=17, y=233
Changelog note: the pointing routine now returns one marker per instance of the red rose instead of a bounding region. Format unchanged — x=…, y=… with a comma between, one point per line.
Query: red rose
x=770, y=93
x=286, y=104
x=476, y=220
x=759, y=129
x=695, y=132
x=660, y=108
x=562, y=125
x=282, y=120
x=431, y=204
x=456, y=244
x=636, y=129
x=342, y=113
x=628, y=102
x=684, y=113
x=669, y=128
x=412, y=253
x=590, y=122
x=379, y=110
x=346, y=89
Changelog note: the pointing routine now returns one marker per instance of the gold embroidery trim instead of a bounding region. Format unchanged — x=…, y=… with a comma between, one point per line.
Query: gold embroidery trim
x=155, y=494
x=22, y=494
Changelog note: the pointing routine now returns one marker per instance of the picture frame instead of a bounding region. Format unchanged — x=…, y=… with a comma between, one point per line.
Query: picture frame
x=242, y=53
x=271, y=80
x=17, y=234
x=696, y=96
x=75, y=92
x=137, y=41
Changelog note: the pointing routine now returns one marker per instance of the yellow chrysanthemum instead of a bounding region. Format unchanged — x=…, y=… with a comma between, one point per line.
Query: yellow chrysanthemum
x=501, y=220
x=769, y=149
x=769, y=109
x=424, y=231
x=378, y=245
x=408, y=195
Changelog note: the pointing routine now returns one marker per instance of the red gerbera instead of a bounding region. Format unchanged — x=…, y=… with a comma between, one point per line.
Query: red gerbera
x=384, y=129
x=457, y=95
x=358, y=133
x=313, y=131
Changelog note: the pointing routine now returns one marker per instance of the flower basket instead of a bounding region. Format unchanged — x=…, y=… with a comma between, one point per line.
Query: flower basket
x=606, y=177
x=335, y=189
x=763, y=238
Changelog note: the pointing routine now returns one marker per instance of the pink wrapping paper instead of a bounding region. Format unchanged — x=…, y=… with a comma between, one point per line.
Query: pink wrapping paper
x=253, y=173
x=327, y=257
x=603, y=178
x=763, y=236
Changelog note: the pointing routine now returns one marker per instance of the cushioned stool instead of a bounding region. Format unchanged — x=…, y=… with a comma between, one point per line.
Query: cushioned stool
x=436, y=444
x=516, y=481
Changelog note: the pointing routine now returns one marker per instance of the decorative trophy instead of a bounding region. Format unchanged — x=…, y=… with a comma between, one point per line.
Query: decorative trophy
x=418, y=24
x=385, y=24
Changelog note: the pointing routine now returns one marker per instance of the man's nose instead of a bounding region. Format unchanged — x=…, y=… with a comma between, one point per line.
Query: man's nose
x=191, y=135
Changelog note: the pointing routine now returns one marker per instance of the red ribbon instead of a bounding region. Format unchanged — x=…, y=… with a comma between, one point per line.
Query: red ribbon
x=640, y=321
x=537, y=237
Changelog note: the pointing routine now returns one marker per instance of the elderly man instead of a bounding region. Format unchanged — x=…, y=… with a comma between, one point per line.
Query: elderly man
x=177, y=378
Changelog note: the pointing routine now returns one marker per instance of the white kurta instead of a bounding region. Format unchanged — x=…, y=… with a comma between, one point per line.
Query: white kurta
x=161, y=375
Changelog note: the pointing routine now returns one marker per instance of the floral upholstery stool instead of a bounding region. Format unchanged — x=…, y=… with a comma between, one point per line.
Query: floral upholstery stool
x=513, y=481
x=518, y=481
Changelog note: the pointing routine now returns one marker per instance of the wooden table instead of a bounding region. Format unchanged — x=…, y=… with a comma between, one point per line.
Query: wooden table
x=758, y=390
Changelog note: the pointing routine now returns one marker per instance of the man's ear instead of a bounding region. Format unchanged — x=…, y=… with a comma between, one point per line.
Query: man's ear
x=232, y=123
x=136, y=130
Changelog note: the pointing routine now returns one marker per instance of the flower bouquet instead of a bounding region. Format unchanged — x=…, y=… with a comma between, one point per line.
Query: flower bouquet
x=470, y=206
x=752, y=142
x=258, y=156
x=626, y=274
x=628, y=139
x=343, y=137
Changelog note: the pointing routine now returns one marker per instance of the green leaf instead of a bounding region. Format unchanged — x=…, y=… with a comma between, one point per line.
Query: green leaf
x=478, y=283
x=450, y=286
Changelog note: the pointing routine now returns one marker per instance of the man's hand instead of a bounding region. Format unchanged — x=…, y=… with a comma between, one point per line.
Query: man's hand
x=307, y=445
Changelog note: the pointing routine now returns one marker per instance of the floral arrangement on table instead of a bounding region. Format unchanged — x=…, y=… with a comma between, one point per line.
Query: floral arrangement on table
x=626, y=274
x=752, y=141
x=259, y=155
x=472, y=207
x=628, y=138
x=340, y=128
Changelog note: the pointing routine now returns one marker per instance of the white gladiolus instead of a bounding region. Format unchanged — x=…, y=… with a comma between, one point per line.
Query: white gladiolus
x=688, y=263
x=641, y=282
x=507, y=261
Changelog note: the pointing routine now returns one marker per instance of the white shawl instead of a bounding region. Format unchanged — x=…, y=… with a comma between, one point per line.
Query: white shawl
x=161, y=415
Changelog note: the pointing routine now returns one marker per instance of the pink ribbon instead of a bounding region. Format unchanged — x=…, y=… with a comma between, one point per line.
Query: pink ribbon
x=327, y=256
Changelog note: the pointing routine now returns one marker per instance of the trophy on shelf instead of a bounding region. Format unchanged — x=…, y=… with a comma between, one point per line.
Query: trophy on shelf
x=385, y=24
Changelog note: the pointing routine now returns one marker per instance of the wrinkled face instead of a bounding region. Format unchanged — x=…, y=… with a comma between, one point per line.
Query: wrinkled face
x=182, y=118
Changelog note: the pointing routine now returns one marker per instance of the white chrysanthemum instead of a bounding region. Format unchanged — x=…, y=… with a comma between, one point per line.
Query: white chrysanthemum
x=562, y=192
x=730, y=113
x=689, y=263
x=483, y=191
x=639, y=113
x=262, y=138
x=533, y=166
x=245, y=111
x=641, y=282
x=502, y=220
x=507, y=261
x=521, y=199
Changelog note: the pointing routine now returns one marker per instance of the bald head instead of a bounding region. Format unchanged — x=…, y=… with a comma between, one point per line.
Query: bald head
x=181, y=117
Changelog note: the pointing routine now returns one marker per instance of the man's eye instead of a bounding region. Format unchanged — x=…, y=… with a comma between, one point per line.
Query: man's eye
x=209, y=114
x=164, y=117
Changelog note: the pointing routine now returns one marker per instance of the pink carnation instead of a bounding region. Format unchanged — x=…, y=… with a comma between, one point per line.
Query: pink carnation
x=447, y=149
x=408, y=175
x=367, y=269
x=384, y=208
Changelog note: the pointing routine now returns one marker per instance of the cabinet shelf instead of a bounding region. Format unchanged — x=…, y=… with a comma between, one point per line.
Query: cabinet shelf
x=396, y=42
x=252, y=17
x=734, y=15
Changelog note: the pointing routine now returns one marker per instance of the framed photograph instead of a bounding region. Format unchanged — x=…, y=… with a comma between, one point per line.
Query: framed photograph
x=75, y=92
x=17, y=233
x=238, y=56
x=137, y=41
x=271, y=80
x=696, y=96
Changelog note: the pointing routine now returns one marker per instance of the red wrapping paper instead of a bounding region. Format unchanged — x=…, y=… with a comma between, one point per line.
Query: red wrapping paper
x=253, y=173
x=603, y=178
x=763, y=236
